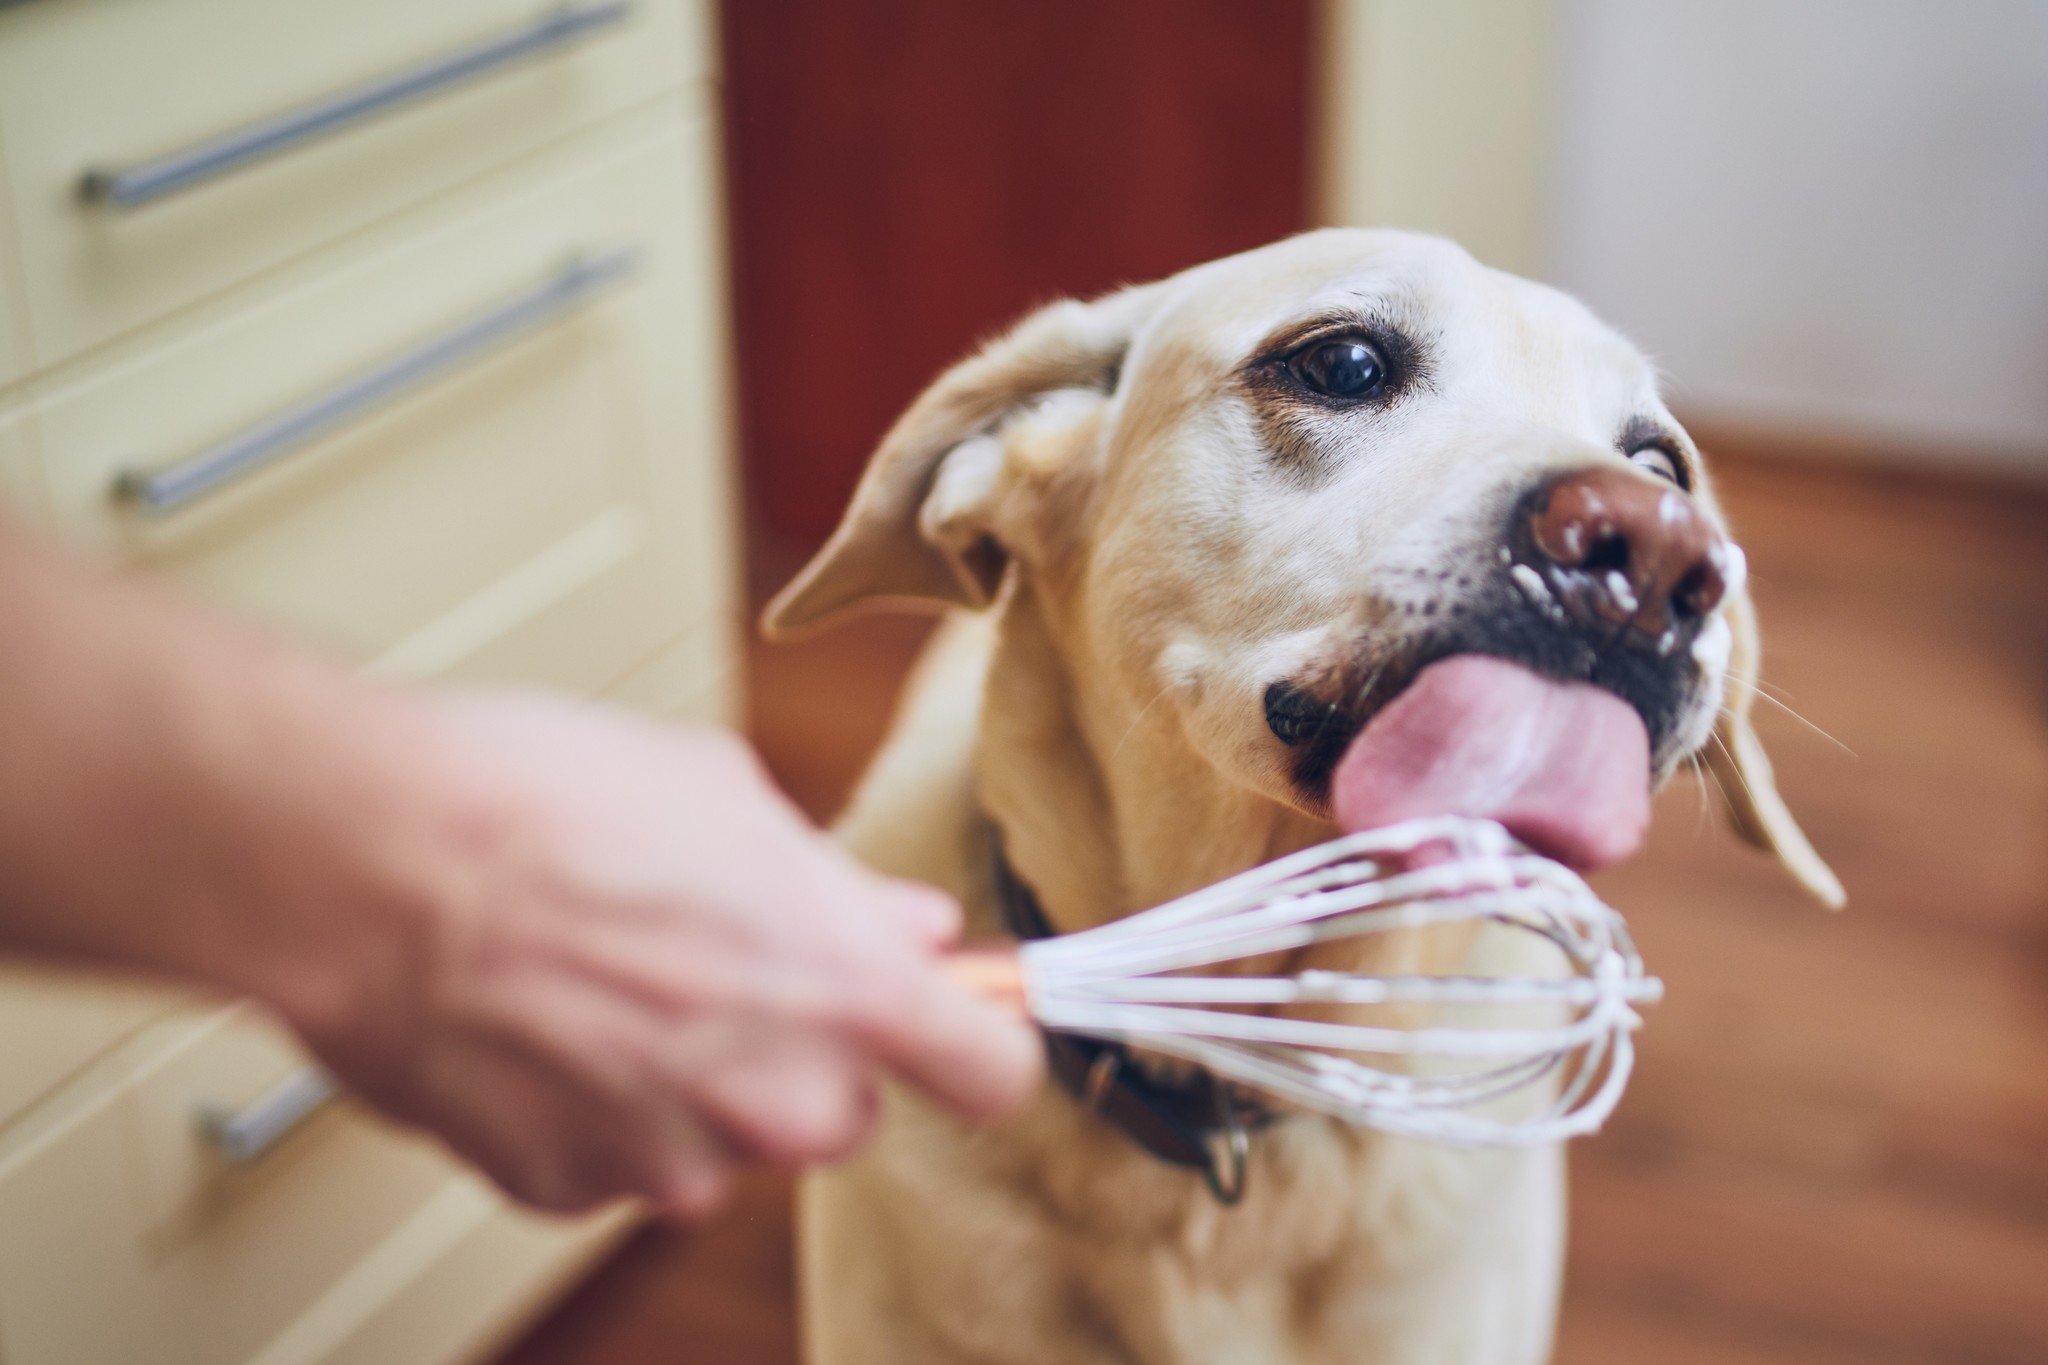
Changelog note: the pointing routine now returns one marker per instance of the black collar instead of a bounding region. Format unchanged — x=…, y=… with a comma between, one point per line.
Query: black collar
x=1200, y=1122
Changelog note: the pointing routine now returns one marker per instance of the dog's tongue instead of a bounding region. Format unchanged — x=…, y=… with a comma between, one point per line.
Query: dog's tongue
x=1565, y=766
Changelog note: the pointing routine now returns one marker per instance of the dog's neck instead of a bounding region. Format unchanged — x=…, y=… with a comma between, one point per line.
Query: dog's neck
x=1103, y=806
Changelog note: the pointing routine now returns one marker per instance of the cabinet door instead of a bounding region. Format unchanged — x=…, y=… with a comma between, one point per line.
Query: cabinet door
x=548, y=506
x=53, y=1024
x=14, y=353
x=126, y=1235
x=21, y=488
x=111, y=86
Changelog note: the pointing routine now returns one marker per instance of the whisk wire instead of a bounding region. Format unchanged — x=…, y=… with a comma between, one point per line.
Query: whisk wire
x=1554, y=1070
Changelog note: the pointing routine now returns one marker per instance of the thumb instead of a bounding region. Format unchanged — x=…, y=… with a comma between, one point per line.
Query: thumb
x=978, y=1059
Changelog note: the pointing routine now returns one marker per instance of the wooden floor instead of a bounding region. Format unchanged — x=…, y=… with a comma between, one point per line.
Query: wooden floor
x=1836, y=1147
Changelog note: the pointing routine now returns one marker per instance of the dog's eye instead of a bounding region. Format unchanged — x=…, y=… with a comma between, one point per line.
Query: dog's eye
x=1658, y=461
x=1345, y=367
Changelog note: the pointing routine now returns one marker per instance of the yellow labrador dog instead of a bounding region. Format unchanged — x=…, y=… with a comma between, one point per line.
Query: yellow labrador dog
x=1214, y=528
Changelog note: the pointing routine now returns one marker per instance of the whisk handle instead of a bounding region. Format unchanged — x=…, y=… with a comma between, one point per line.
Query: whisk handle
x=994, y=974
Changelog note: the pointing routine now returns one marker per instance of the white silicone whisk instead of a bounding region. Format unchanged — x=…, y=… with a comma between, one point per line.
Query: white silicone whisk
x=1452, y=1070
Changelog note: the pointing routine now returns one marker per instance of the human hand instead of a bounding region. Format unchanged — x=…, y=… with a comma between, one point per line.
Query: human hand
x=597, y=956
x=637, y=966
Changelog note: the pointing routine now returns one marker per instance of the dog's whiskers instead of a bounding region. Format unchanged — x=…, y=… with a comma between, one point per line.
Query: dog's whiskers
x=1138, y=720
x=1757, y=690
x=1372, y=680
x=1700, y=776
x=1732, y=763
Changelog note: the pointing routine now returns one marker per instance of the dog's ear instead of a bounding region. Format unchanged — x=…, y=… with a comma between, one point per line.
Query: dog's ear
x=921, y=529
x=1743, y=771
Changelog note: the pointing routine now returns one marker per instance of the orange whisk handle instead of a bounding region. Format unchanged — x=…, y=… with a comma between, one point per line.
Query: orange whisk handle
x=993, y=973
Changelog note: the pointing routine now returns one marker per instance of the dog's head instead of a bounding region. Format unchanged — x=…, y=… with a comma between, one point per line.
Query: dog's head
x=1257, y=498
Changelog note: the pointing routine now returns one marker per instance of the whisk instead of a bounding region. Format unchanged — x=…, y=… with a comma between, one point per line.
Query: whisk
x=1556, y=1071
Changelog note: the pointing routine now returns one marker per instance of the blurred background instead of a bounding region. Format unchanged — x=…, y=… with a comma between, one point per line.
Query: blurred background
x=1828, y=221
x=489, y=340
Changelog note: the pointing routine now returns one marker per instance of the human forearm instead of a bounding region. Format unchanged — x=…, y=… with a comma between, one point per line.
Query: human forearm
x=596, y=955
x=160, y=768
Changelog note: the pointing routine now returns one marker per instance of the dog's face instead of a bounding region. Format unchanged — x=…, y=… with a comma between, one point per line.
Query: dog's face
x=1259, y=496
x=1324, y=467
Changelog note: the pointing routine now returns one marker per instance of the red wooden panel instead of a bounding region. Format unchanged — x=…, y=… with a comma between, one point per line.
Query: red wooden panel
x=909, y=175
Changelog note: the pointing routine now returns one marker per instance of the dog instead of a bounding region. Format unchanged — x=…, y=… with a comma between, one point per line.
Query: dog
x=1195, y=534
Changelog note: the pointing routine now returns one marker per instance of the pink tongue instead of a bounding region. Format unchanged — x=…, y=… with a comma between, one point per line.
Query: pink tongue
x=1565, y=766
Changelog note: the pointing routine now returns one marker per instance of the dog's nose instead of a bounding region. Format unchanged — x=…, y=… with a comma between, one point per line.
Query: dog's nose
x=1618, y=548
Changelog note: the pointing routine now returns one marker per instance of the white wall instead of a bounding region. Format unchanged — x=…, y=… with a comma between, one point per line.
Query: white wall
x=1440, y=115
x=1824, y=213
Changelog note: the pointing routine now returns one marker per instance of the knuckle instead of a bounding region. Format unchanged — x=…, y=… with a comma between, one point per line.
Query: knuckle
x=848, y=1128
x=693, y=1190
x=827, y=1119
x=879, y=990
x=548, y=1191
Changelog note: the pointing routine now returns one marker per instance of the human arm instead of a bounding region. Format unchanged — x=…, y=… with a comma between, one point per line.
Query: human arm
x=597, y=956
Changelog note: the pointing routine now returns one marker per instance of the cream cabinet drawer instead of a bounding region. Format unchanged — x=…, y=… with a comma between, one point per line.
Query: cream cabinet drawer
x=547, y=506
x=696, y=678
x=127, y=1236
x=14, y=361
x=53, y=1024
x=21, y=490
x=308, y=119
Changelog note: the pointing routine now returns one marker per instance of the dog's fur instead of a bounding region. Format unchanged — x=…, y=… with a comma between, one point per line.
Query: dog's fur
x=1157, y=526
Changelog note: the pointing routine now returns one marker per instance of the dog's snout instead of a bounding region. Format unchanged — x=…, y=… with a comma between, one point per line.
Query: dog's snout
x=1618, y=550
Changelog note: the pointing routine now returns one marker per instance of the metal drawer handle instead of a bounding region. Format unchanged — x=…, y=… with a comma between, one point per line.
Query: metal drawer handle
x=166, y=490
x=127, y=187
x=243, y=1136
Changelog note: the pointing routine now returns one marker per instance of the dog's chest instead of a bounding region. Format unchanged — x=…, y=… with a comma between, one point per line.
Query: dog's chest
x=1326, y=1262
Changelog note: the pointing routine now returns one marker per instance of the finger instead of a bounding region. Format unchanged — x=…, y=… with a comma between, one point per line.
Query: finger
x=692, y=1191
x=502, y=1117
x=977, y=1059
x=791, y=1101
x=930, y=915
x=678, y=1162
